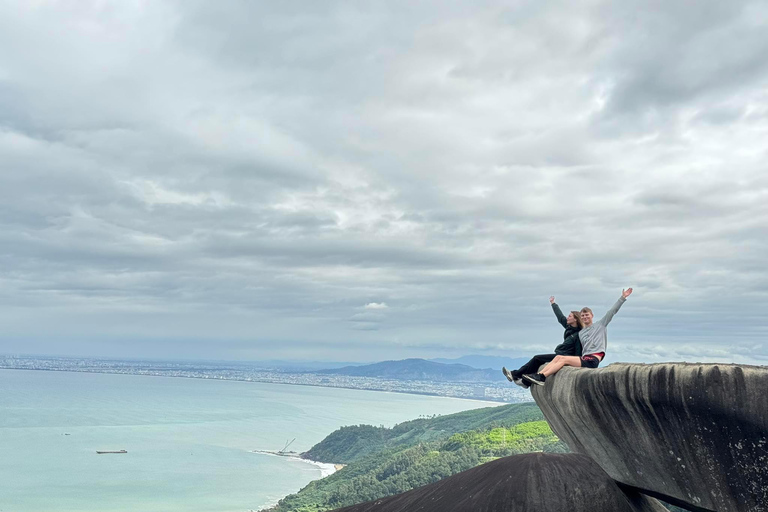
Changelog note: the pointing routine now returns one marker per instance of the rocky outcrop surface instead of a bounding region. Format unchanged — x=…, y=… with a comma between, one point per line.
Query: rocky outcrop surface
x=543, y=482
x=695, y=435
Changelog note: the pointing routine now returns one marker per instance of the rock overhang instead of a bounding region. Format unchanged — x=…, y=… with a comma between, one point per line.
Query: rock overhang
x=695, y=435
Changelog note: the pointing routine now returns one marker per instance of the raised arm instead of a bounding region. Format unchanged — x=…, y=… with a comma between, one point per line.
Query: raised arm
x=559, y=314
x=615, y=308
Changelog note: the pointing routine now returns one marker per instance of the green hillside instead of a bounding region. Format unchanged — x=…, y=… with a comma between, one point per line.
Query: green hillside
x=351, y=443
x=418, y=453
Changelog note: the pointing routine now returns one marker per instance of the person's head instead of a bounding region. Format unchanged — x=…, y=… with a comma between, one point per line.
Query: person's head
x=586, y=316
x=574, y=320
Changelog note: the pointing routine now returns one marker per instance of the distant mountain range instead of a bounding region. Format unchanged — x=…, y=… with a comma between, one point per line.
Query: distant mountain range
x=474, y=361
x=420, y=369
x=494, y=362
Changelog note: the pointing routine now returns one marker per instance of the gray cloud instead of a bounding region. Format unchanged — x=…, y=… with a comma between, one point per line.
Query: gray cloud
x=247, y=177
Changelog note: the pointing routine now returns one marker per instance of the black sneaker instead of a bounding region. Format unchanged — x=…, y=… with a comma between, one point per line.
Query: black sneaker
x=535, y=378
x=507, y=374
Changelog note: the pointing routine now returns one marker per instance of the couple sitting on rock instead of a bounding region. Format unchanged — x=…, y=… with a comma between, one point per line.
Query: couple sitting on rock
x=584, y=344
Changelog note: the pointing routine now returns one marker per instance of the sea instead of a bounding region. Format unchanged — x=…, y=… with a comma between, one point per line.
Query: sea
x=190, y=442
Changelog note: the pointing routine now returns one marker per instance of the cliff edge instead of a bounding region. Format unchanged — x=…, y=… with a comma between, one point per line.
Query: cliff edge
x=694, y=435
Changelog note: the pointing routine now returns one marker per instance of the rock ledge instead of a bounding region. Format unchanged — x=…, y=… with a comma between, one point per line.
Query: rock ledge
x=695, y=435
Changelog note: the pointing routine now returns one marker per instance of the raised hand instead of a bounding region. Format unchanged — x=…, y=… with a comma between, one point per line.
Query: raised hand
x=552, y=299
x=626, y=293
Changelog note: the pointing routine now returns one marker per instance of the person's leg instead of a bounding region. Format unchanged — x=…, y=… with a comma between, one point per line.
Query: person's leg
x=552, y=368
x=533, y=365
x=558, y=362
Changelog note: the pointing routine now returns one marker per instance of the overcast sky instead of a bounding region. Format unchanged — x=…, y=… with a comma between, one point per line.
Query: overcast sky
x=360, y=181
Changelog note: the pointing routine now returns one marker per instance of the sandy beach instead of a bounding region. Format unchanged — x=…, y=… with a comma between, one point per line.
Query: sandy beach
x=326, y=468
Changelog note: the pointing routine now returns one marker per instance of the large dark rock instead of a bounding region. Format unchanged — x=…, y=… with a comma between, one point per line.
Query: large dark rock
x=533, y=482
x=695, y=435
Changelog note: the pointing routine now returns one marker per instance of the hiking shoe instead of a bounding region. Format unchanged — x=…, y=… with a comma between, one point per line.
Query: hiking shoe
x=520, y=382
x=517, y=380
x=535, y=378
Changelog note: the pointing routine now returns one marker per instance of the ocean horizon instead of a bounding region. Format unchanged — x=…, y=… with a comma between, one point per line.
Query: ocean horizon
x=190, y=442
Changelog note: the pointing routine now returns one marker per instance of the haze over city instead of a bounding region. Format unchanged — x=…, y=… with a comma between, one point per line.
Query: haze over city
x=358, y=182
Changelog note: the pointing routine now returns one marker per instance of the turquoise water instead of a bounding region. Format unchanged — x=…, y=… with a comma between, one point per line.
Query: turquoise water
x=189, y=441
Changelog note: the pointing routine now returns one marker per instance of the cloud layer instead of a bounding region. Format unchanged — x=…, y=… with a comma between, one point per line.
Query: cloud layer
x=337, y=181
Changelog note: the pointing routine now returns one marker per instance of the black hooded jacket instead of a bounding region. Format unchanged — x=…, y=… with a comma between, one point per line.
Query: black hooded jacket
x=571, y=345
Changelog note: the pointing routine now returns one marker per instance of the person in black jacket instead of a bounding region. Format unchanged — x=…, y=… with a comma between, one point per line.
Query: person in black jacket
x=571, y=346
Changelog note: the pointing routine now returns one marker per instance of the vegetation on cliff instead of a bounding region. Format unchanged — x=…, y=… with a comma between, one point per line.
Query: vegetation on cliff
x=382, y=462
x=354, y=442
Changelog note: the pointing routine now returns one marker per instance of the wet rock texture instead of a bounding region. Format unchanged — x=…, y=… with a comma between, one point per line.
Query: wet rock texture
x=541, y=482
x=695, y=435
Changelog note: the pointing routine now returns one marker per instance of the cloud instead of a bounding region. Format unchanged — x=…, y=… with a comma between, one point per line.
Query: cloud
x=250, y=174
x=376, y=305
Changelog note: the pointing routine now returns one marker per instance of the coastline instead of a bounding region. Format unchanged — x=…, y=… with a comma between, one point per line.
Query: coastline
x=489, y=400
x=326, y=469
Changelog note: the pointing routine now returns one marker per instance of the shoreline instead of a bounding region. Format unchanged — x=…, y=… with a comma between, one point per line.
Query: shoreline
x=326, y=469
x=490, y=401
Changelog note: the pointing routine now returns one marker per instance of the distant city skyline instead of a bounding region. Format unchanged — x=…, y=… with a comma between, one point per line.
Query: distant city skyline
x=480, y=385
x=362, y=182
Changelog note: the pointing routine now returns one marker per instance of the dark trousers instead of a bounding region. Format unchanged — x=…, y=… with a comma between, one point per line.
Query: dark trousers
x=532, y=366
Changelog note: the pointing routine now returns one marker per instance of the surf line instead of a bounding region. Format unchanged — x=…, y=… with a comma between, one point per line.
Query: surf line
x=326, y=468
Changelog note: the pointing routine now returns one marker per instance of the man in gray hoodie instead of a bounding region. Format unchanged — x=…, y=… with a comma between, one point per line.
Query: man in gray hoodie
x=594, y=341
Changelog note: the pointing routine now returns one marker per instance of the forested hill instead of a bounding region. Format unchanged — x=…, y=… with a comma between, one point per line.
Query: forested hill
x=351, y=443
x=382, y=461
x=420, y=369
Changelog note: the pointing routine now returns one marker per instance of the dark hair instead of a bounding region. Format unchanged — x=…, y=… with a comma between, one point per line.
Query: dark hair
x=579, y=323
